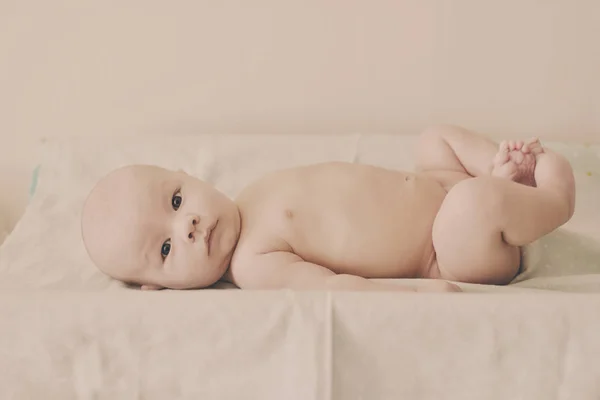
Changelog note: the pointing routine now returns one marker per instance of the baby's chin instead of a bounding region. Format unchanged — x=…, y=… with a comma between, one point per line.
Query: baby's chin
x=199, y=278
x=205, y=282
x=193, y=286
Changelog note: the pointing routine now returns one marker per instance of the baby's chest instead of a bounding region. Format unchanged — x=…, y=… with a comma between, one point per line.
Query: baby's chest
x=341, y=236
x=345, y=227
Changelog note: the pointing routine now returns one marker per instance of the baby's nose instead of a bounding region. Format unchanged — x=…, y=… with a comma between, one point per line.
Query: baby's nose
x=189, y=226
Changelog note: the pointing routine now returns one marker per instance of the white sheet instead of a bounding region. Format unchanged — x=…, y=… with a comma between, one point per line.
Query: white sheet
x=68, y=332
x=298, y=346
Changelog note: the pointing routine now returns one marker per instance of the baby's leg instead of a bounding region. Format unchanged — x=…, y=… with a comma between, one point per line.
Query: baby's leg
x=483, y=221
x=451, y=154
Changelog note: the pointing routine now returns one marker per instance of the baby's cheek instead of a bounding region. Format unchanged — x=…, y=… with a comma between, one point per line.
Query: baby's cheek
x=193, y=266
x=184, y=264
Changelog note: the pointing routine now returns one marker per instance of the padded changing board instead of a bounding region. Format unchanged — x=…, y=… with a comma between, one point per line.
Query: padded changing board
x=224, y=344
x=68, y=332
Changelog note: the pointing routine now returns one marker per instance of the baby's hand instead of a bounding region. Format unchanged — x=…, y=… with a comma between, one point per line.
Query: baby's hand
x=436, y=285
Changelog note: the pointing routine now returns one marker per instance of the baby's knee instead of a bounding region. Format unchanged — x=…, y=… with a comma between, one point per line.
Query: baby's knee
x=555, y=173
x=435, y=133
x=476, y=196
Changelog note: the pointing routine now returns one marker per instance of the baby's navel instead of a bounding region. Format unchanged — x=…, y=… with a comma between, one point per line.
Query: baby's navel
x=289, y=214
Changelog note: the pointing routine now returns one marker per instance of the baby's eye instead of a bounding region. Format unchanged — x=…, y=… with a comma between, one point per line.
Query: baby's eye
x=166, y=248
x=176, y=200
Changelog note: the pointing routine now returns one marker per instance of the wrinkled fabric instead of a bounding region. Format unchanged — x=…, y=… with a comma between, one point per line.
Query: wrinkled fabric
x=69, y=332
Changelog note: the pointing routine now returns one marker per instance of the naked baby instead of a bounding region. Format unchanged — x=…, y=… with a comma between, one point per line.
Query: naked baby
x=462, y=216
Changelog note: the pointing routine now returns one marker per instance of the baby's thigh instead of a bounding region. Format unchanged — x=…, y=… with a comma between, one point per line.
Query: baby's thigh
x=446, y=178
x=467, y=238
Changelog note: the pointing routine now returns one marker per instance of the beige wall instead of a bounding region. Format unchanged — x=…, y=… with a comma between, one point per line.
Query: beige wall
x=512, y=67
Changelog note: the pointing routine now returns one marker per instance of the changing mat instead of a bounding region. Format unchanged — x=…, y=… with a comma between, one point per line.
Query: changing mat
x=68, y=332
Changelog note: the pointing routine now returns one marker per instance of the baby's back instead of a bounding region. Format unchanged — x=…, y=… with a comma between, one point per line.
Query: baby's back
x=351, y=218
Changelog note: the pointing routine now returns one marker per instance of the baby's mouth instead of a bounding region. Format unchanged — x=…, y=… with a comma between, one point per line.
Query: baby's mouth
x=208, y=237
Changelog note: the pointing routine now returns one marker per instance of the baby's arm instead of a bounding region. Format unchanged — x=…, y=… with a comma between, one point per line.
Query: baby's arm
x=451, y=148
x=283, y=270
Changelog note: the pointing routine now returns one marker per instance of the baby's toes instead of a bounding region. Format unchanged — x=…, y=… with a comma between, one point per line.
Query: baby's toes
x=535, y=147
x=519, y=144
x=515, y=145
x=503, y=147
x=517, y=157
x=501, y=157
x=537, y=150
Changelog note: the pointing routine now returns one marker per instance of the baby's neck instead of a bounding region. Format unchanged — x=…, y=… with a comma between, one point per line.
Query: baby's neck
x=227, y=277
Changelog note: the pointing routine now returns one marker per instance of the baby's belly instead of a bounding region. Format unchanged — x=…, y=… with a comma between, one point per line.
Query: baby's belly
x=381, y=233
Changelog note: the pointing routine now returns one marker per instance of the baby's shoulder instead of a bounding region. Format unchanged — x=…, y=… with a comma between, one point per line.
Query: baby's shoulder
x=252, y=249
x=264, y=209
x=265, y=219
x=259, y=239
x=263, y=230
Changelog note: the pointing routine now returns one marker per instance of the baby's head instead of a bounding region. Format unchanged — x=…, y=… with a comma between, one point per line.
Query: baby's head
x=157, y=228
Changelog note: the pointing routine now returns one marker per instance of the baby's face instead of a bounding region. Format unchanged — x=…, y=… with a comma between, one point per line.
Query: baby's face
x=160, y=229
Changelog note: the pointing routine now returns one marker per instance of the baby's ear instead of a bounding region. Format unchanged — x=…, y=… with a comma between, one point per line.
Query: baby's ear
x=150, y=287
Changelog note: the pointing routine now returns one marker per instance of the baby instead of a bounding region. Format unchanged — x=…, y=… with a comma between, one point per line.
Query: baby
x=463, y=216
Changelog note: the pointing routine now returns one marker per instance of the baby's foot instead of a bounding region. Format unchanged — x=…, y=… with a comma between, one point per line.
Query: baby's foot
x=516, y=161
